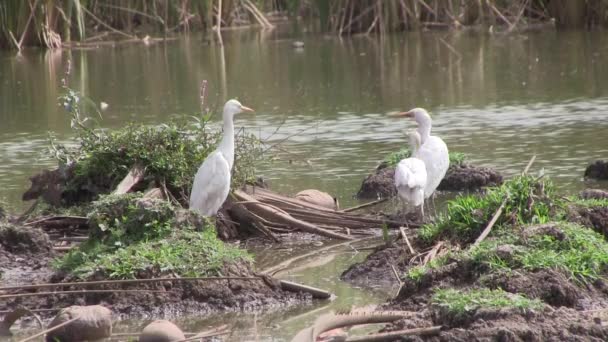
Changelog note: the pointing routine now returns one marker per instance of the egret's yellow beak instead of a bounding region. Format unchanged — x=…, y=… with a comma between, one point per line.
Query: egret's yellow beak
x=247, y=109
x=408, y=114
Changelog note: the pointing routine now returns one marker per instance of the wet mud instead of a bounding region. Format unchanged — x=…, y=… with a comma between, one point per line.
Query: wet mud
x=464, y=177
x=597, y=170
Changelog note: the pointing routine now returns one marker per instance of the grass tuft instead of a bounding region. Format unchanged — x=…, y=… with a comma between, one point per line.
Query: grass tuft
x=590, y=202
x=458, y=302
x=528, y=203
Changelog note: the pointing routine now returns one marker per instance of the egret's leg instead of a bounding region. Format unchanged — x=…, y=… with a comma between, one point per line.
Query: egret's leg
x=422, y=211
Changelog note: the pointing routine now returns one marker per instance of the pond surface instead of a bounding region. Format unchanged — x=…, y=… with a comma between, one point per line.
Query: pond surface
x=499, y=99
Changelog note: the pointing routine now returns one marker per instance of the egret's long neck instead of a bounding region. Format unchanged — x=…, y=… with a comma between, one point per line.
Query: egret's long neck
x=424, y=129
x=227, y=144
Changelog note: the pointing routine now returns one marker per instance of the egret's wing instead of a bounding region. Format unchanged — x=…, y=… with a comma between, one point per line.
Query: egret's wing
x=411, y=173
x=434, y=154
x=211, y=184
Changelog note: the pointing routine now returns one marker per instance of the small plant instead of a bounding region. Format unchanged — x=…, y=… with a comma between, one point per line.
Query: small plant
x=416, y=273
x=385, y=234
x=528, y=202
x=459, y=302
x=589, y=202
x=393, y=158
x=579, y=252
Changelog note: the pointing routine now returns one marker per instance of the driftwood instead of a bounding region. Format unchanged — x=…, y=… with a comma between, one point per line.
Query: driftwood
x=135, y=175
x=270, y=212
x=295, y=287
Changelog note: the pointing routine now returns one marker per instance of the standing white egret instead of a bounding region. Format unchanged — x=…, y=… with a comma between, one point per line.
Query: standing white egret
x=433, y=151
x=212, y=181
x=410, y=175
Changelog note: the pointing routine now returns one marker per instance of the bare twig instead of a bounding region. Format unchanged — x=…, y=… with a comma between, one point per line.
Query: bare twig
x=407, y=241
x=364, y=205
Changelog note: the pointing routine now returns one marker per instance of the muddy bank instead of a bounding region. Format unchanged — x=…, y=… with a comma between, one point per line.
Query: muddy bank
x=460, y=177
x=28, y=261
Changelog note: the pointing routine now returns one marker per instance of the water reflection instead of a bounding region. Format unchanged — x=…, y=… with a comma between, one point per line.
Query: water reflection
x=498, y=98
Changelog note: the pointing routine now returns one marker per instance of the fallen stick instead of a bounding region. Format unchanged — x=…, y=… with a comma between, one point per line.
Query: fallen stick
x=122, y=281
x=407, y=241
x=50, y=330
x=393, y=335
x=135, y=175
x=364, y=205
x=432, y=253
x=35, y=294
x=284, y=264
x=295, y=287
x=273, y=214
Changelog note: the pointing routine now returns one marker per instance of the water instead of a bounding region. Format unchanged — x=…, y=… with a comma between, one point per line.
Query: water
x=499, y=99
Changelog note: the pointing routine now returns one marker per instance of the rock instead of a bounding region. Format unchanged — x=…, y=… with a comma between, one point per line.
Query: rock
x=94, y=322
x=161, y=331
x=319, y=198
x=594, y=194
x=597, y=170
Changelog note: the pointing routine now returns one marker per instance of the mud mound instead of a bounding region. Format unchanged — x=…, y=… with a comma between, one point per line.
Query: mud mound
x=467, y=177
x=173, y=299
x=594, y=194
x=463, y=177
x=381, y=183
x=597, y=170
x=20, y=240
x=376, y=268
x=593, y=217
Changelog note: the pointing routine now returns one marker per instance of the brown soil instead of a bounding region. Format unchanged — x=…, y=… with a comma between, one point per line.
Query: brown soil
x=594, y=194
x=594, y=217
x=376, y=269
x=458, y=178
x=597, y=170
x=26, y=255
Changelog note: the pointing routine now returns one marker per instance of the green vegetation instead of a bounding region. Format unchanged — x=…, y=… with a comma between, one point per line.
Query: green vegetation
x=458, y=302
x=528, y=203
x=579, y=252
x=590, y=202
x=171, y=153
x=133, y=237
x=416, y=273
x=393, y=158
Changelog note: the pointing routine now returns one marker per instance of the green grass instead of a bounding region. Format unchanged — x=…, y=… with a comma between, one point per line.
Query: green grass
x=582, y=254
x=416, y=273
x=591, y=202
x=130, y=239
x=393, y=158
x=458, y=302
x=467, y=215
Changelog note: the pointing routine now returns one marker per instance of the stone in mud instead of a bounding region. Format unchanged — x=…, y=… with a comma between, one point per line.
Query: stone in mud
x=316, y=197
x=94, y=322
x=597, y=170
x=594, y=194
x=461, y=177
x=161, y=331
x=21, y=239
x=467, y=177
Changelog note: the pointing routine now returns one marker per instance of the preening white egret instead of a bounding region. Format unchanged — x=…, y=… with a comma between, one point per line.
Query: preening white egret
x=410, y=175
x=433, y=151
x=212, y=181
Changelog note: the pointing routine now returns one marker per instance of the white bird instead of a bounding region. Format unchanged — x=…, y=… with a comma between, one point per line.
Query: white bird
x=433, y=151
x=212, y=181
x=410, y=175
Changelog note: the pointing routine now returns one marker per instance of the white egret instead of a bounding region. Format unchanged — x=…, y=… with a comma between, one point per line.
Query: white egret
x=433, y=151
x=212, y=181
x=410, y=175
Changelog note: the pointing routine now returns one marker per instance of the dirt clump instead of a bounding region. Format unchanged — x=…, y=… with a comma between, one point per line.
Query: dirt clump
x=23, y=240
x=594, y=194
x=376, y=268
x=460, y=177
x=468, y=177
x=597, y=170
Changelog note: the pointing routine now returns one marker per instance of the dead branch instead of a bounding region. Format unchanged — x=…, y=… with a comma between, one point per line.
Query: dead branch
x=407, y=241
x=364, y=205
x=54, y=293
x=135, y=175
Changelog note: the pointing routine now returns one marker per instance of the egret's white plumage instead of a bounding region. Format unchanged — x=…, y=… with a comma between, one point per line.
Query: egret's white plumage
x=433, y=151
x=411, y=176
x=212, y=181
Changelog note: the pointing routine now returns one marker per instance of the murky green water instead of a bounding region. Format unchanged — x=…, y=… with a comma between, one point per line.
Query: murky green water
x=500, y=99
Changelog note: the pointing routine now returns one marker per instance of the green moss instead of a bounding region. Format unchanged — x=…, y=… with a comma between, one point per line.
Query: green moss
x=579, y=252
x=133, y=237
x=393, y=158
x=467, y=215
x=458, y=302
